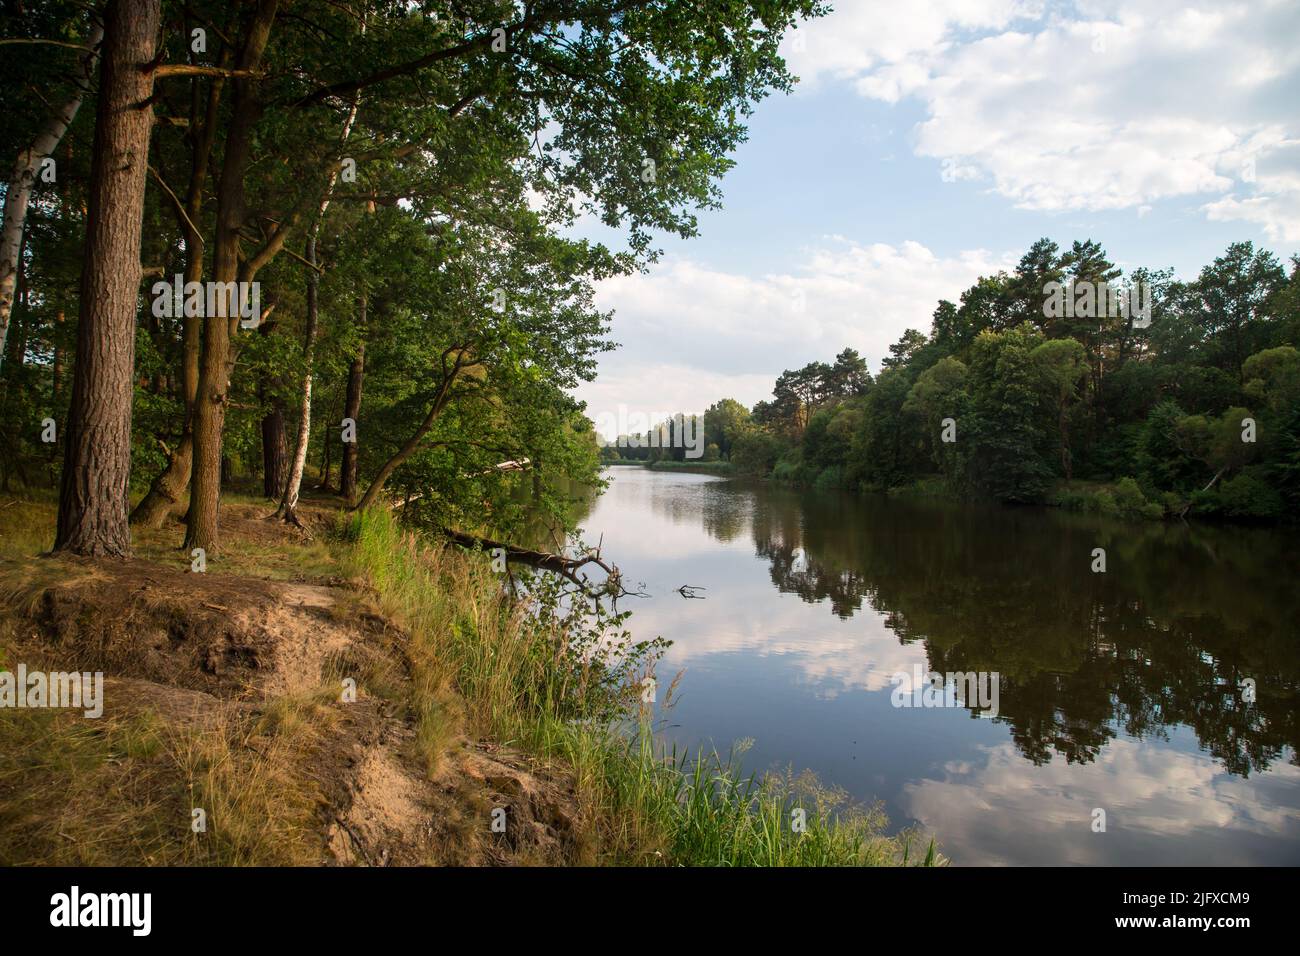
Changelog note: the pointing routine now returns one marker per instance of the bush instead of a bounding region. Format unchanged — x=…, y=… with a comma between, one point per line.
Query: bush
x=832, y=477
x=787, y=469
x=1132, y=503
x=1246, y=496
x=1103, y=502
x=1072, y=500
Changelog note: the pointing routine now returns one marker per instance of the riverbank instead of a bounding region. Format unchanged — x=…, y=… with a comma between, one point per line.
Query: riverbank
x=352, y=694
x=701, y=467
x=1239, y=500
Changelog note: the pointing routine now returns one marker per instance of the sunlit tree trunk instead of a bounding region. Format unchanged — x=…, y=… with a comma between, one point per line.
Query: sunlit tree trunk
x=289, y=502
x=97, y=460
x=288, y=509
x=164, y=494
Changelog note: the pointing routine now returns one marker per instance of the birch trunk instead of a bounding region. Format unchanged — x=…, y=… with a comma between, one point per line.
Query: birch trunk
x=24, y=176
x=288, y=509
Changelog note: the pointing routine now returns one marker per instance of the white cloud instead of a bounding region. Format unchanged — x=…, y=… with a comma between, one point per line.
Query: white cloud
x=1162, y=806
x=1088, y=106
x=691, y=335
x=860, y=35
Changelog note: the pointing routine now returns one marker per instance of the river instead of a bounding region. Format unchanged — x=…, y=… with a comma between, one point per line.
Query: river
x=1126, y=690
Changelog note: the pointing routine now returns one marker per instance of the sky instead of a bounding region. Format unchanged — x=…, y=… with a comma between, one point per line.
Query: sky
x=931, y=142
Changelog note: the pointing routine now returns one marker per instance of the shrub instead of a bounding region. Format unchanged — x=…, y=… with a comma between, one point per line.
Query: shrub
x=1132, y=503
x=832, y=477
x=1246, y=496
x=787, y=469
x=1103, y=502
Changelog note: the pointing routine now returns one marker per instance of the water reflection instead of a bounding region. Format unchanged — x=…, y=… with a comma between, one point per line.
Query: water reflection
x=1122, y=690
x=1167, y=635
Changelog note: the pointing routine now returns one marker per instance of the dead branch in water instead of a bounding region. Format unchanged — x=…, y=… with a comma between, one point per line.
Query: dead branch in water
x=567, y=568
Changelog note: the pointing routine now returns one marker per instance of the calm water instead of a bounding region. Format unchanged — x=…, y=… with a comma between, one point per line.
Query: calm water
x=1116, y=690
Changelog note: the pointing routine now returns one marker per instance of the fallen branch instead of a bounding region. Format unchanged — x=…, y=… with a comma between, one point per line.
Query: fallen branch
x=1187, y=507
x=567, y=568
x=356, y=840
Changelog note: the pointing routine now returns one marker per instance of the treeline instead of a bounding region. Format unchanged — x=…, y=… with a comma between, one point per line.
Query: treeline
x=1191, y=405
x=245, y=242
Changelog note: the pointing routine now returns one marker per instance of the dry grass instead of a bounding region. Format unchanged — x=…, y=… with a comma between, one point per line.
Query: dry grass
x=253, y=546
x=122, y=789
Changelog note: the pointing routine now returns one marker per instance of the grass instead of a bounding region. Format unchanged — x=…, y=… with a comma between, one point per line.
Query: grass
x=29, y=521
x=536, y=679
x=124, y=788
x=31, y=516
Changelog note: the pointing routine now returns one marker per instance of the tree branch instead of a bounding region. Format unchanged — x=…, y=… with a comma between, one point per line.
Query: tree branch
x=190, y=69
x=178, y=205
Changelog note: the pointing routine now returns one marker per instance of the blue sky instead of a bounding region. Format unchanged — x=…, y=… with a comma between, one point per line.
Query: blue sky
x=933, y=142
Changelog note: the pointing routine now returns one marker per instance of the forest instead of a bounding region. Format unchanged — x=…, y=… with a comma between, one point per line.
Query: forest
x=391, y=188
x=1190, y=408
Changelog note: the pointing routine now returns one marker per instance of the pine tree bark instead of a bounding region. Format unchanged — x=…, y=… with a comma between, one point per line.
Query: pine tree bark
x=93, y=498
x=164, y=495
x=216, y=359
x=352, y=409
x=19, y=189
x=275, y=451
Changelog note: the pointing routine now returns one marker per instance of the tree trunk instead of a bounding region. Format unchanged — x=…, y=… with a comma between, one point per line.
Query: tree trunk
x=409, y=447
x=289, y=504
x=164, y=495
x=1187, y=507
x=19, y=189
x=275, y=451
x=327, y=456
x=351, y=409
x=56, y=385
x=288, y=509
x=216, y=358
x=97, y=462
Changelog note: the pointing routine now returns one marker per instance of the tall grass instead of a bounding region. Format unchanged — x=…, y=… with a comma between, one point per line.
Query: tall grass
x=564, y=684
x=121, y=790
